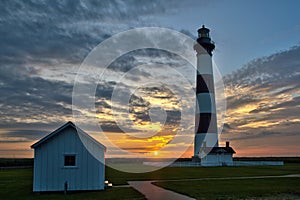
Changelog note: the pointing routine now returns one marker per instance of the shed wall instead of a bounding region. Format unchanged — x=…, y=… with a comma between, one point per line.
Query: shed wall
x=50, y=174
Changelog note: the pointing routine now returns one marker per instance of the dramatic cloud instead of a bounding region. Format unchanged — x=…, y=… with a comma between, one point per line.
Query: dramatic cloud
x=264, y=98
x=42, y=44
x=15, y=136
x=31, y=99
x=39, y=30
x=40, y=38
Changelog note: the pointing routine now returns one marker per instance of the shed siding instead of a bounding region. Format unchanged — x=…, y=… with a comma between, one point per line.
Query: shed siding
x=50, y=173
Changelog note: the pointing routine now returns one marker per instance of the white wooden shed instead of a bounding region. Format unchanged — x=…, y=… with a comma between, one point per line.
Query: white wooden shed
x=68, y=158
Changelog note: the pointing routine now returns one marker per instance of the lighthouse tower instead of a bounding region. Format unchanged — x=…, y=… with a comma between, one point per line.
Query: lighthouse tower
x=206, y=136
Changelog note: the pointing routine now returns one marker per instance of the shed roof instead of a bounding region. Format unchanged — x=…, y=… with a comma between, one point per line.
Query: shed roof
x=66, y=125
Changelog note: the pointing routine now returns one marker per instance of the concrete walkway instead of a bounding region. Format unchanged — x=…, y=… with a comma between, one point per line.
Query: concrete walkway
x=153, y=192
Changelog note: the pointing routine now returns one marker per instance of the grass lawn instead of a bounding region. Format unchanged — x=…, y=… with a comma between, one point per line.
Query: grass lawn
x=17, y=184
x=117, y=177
x=274, y=188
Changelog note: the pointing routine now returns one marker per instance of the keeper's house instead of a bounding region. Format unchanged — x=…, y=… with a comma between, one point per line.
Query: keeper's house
x=217, y=156
x=68, y=159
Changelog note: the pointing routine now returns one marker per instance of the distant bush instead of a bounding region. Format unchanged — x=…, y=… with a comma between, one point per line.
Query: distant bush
x=16, y=162
x=284, y=159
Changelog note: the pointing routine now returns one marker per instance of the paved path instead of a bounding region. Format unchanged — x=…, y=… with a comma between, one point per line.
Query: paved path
x=153, y=192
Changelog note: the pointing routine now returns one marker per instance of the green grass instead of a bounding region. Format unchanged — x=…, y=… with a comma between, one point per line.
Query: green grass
x=282, y=188
x=118, y=178
x=17, y=184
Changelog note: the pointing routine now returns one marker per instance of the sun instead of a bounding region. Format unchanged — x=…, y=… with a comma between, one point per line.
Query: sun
x=155, y=153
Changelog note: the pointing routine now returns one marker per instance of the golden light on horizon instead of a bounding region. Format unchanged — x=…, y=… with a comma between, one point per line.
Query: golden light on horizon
x=147, y=125
x=245, y=109
x=246, y=120
x=259, y=124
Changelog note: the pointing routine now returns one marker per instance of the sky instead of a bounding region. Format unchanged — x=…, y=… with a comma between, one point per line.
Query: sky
x=43, y=44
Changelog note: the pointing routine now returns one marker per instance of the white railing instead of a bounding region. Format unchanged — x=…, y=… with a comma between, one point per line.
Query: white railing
x=198, y=164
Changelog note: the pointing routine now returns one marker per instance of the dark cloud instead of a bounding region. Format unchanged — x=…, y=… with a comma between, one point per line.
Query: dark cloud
x=143, y=111
x=27, y=135
x=292, y=103
x=39, y=35
x=269, y=85
x=112, y=126
x=226, y=128
x=105, y=89
x=136, y=63
x=29, y=97
x=263, y=134
x=240, y=99
x=280, y=69
x=65, y=30
x=173, y=117
x=159, y=92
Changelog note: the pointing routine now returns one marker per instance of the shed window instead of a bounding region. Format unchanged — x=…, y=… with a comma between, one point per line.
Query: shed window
x=70, y=160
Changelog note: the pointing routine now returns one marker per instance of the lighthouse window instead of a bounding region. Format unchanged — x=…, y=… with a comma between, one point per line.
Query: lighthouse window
x=204, y=34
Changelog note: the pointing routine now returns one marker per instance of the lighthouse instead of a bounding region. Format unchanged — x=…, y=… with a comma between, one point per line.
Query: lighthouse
x=206, y=144
x=206, y=130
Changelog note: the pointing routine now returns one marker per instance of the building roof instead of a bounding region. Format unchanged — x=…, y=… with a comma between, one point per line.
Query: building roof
x=218, y=150
x=66, y=125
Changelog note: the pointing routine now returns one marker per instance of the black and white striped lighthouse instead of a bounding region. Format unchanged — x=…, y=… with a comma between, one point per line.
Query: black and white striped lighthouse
x=206, y=120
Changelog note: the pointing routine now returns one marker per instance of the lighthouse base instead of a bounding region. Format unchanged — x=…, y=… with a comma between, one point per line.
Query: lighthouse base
x=196, y=159
x=215, y=156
